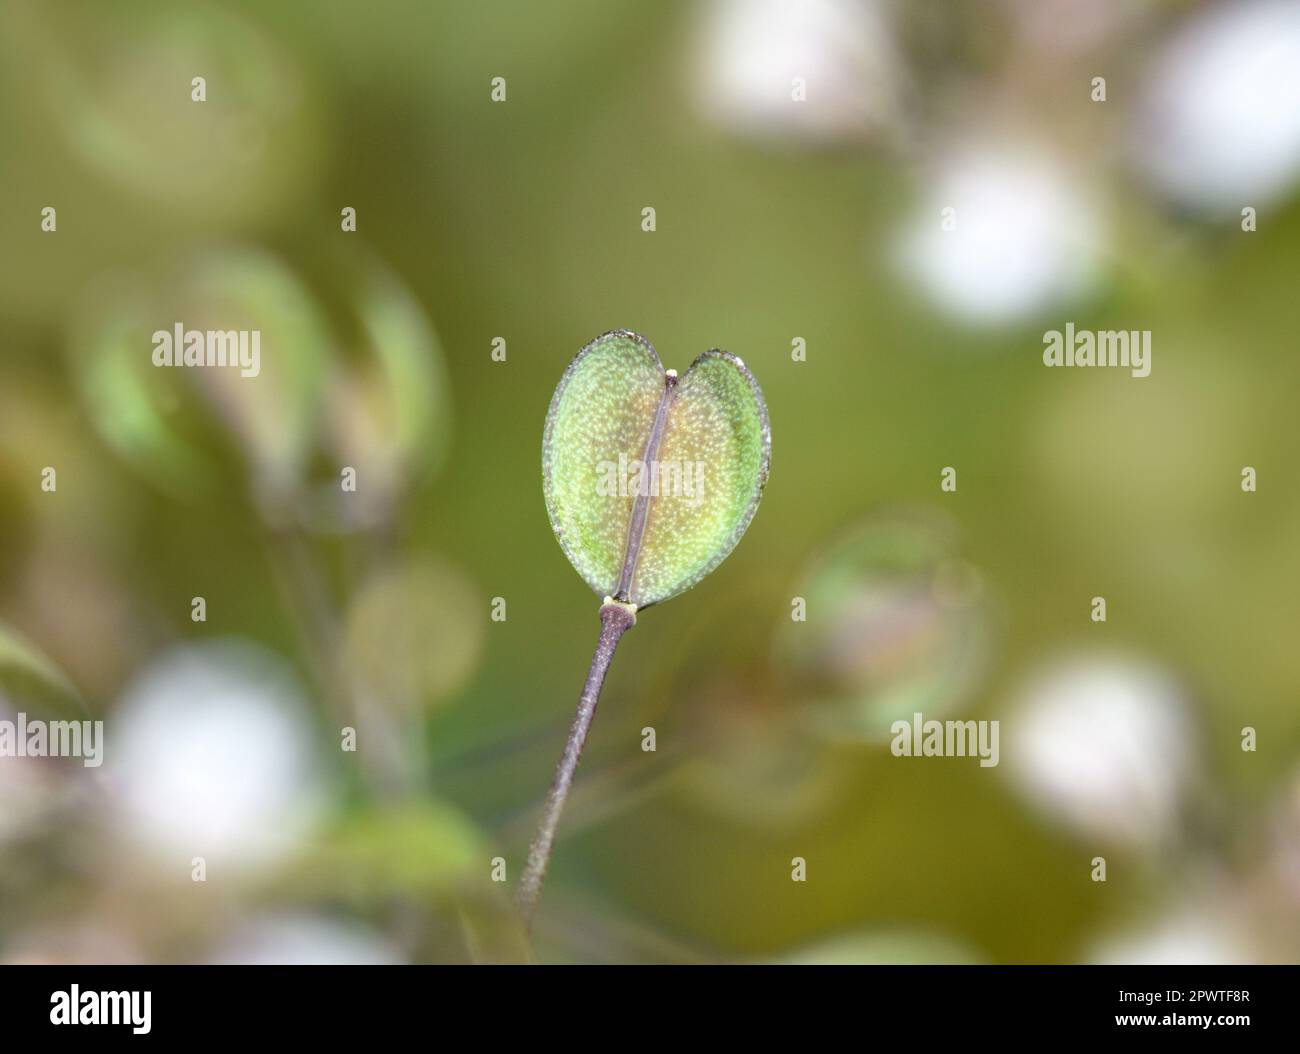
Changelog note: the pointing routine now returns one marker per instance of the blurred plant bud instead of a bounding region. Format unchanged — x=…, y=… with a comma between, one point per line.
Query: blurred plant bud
x=120, y=84
x=389, y=404
x=896, y=623
x=1107, y=747
x=360, y=386
x=414, y=633
x=162, y=419
x=273, y=414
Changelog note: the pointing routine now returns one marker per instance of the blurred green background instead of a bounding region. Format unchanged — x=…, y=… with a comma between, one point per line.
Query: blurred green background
x=776, y=221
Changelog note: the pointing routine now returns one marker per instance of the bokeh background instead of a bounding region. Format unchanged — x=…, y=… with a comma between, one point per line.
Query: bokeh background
x=776, y=221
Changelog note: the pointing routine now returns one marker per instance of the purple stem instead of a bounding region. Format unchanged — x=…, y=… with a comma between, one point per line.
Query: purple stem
x=641, y=507
x=615, y=620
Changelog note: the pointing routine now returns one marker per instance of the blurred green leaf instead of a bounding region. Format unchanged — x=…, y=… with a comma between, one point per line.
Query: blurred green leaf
x=425, y=849
x=29, y=680
x=409, y=358
x=125, y=399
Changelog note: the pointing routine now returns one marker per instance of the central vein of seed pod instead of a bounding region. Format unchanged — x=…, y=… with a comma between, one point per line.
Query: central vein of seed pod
x=641, y=507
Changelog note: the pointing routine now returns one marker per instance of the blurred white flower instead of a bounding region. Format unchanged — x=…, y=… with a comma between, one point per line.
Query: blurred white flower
x=304, y=940
x=1192, y=934
x=211, y=754
x=752, y=51
x=1002, y=233
x=1219, y=122
x=1105, y=746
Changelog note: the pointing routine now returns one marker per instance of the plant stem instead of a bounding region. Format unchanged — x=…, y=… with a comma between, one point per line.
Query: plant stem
x=615, y=619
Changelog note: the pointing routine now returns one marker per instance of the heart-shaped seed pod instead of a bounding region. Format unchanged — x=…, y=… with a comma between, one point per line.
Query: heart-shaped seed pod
x=651, y=479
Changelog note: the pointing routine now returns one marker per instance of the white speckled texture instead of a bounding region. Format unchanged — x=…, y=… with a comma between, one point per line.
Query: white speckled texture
x=604, y=407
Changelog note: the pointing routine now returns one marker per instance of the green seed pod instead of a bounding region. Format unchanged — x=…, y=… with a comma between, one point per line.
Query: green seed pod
x=650, y=480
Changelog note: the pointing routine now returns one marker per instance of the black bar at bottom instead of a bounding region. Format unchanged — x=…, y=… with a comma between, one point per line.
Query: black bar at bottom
x=361, y=1003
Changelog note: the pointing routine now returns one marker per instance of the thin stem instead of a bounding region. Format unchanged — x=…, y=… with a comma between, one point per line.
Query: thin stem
x=615, y=619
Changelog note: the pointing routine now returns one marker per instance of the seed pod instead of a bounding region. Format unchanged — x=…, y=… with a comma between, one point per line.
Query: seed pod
x=650, y=480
